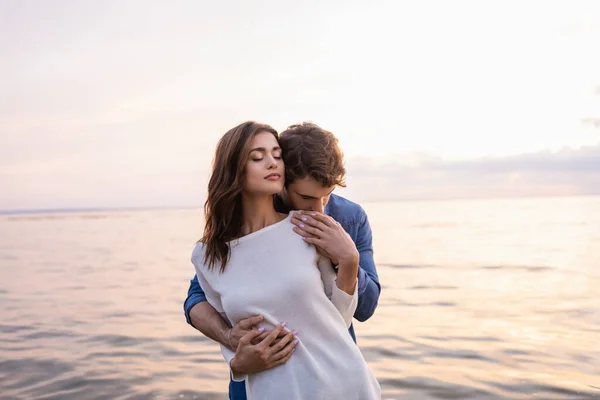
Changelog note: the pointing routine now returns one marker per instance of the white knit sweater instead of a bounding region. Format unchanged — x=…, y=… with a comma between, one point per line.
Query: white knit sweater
x=273, y=272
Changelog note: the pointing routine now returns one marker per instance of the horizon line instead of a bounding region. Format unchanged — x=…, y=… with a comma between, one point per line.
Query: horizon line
x=58, y=210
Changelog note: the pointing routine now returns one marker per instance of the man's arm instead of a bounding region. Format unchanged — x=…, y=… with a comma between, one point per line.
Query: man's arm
x=195, y=295
x=368, y=281
x=202, y=316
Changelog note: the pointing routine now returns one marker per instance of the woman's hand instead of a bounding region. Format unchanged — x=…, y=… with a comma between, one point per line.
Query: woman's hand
x=254, y=355
x=328, y=235
x=333, y=242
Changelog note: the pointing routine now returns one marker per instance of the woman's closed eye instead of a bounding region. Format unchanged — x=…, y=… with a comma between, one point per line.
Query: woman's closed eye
x=260, y=159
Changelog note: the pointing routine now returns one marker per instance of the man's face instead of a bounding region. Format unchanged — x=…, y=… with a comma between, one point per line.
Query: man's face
x=308, y=194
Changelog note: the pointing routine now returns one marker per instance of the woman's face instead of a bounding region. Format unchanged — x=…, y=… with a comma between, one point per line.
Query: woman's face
x=264, y=168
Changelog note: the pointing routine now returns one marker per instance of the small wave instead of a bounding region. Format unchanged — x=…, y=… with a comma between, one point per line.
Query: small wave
x=515, y=352
x=117, y=315
x=435, y=287
x=50, y=334
x=436, y=225
x=462, y=355
x=534, y=268
x=544, y=390
x=461, y=338
x=115, y=354
x=431, y=304
x=117, y=340
x=190, y=338
x=396, y=266
x=435, y=389
x=15, y=328
x=59, y=217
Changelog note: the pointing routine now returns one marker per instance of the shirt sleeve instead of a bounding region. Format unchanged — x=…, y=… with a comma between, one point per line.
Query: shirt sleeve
x=343, y=302
x=369, y=288
x=195, y=296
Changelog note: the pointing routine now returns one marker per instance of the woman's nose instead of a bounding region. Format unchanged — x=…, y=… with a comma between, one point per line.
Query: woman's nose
x=272, y=162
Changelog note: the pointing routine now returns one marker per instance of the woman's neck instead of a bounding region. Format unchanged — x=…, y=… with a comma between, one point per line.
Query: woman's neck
x=258, y=212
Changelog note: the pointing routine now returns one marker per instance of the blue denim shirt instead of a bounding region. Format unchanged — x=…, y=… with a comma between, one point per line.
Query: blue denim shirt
x=354, y=221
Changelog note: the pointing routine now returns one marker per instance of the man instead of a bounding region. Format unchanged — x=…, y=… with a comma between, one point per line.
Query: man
x=338, y=228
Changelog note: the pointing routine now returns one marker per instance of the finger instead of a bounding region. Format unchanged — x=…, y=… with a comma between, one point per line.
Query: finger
x=308, y=231
x=304, y=232
x=248, y=337
x=304, y=218
x=326, y=220
x=279, y=362
x=308, y=224
x=315, y=223
x=266, y=333
x=276, y=341
x=286, y=351
x=320, y=217
x=313, y=240
x=313, y=214
x=260, y=337
x=317, y=229
x=284, y=332
x=278, y=346
x=272, y=335
x=298, y=218
x=249, y=323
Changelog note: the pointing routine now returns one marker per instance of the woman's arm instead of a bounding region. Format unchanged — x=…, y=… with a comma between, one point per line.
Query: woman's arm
x=343, y=301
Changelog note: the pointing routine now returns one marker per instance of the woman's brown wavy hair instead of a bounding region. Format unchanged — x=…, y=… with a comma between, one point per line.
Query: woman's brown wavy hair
x=223, y=206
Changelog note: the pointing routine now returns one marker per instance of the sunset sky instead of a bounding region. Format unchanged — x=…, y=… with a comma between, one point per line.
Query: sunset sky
x=120, y=103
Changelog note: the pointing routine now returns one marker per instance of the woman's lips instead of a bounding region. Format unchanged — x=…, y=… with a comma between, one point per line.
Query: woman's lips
x=273, y=177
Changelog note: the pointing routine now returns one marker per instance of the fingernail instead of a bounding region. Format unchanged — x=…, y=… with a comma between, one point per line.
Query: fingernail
x=303, y=238
x=283, y=324
x=293, y=350
x=261, y=329
x=301, y=225
x=313, y=214
x=295, y=332
x=296, y=341
x=304, y=218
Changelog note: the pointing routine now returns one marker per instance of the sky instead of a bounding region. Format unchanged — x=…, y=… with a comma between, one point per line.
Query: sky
x=120, y=104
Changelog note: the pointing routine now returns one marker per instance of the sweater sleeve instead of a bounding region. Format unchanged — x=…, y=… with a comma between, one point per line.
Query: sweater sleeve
x=214, y=299
x=346, y=304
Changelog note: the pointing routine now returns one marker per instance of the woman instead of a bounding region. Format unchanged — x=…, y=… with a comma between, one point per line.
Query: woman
x=250, y=261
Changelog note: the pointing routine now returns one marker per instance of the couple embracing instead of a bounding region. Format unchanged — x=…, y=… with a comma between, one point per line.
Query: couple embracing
x=283, y=266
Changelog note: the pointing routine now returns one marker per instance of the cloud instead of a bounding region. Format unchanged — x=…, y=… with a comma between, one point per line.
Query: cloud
x=564, y=172
x=120, y=183
x=594, y=122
